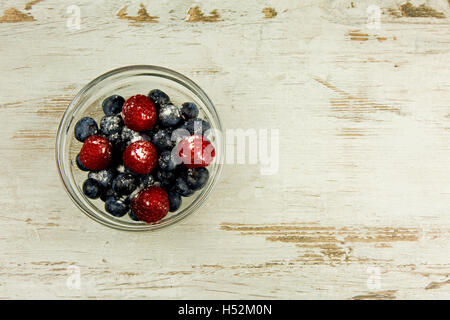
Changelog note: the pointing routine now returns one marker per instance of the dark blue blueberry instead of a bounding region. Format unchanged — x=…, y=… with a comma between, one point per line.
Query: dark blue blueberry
x=132, y=216
x=166, y=178
x=84, y=128
x=111, y=124
x=189, y=110
x=197, y=126
x=115, y=139
x=116, y=207
x=103, y=177
x=196, y=178
x=92, y=189
x=108, y=193
x=182, y=188
x=169, y=115
x=174, y=201
x=162, y=140
x=147, y=180
x=168, y=161
x=124, y=184
x=113, y=105
x=158, y=97
x=80, y=165
x=127, y=134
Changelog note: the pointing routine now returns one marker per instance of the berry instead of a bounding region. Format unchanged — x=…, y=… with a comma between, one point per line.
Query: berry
x=169, y=115
x=174, y=201
x=113, y=105
x=147, y=180
x=115, y=139
x=96, y=153
x=140, y=157
x=92, y=189
x=162, y=139
x=111, y=124
x=127, y=134
x=165, y=178
x=116, y=207
x=124, y=184
x=108, y=193
x=182, y=188
x=189, y=110
x=84, y=128
x=132, y=216
x=151, y=204
x=158, y=97
x=103, y=177
x=197, y=126
x=196, y=178
x=196, y=151
x=168, y=161
x=80, y=165
x=139, y=113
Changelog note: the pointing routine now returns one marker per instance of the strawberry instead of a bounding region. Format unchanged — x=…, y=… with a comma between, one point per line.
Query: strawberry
x=96, y=153
x=140, y=157
x=195, y=151
x=150, y=204
x=139, y=113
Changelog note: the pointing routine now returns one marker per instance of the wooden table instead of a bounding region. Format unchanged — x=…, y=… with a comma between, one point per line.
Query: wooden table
x=360, y=206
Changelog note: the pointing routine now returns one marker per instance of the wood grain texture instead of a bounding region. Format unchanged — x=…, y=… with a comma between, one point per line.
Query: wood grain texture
x=359, y=208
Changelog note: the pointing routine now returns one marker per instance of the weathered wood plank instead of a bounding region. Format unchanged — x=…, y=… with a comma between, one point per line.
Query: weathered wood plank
x=359, y=207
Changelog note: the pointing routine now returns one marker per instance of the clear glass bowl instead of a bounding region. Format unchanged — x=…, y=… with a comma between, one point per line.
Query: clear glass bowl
x=129, y=81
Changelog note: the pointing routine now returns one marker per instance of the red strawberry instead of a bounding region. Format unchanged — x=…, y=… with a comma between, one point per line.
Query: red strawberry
x=96, y=153
x=196, y=151
x=150, y=204
x=140, y=156
x=139, y=113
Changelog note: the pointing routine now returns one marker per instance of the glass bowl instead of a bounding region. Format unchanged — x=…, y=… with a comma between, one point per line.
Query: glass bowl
x=129, y=81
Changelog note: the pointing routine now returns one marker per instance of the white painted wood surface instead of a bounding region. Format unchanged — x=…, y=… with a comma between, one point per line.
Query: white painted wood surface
x=360, y=208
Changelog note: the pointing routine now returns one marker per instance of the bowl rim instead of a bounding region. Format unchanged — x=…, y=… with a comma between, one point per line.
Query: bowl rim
x=65, y=124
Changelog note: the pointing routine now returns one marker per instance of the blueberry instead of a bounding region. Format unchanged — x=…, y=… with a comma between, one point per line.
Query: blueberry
x=166, y=178
x=127, y=134
x=108, y=193
x=196, y=178
x=80, y=165
x=84, y=128
x=189, y=110
x=92, y=189
x=111, y=124
x=116, y=207
x=115, y=139
x=169, y=115
x=124, y=184
x=103, y=177
x=197, y=126
x=158, y=97
x=168, y=161
x=113, y=105
x=147, y=180
x=174, y=201
x=182, y=188
x=132, y=216
x=162, y=139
